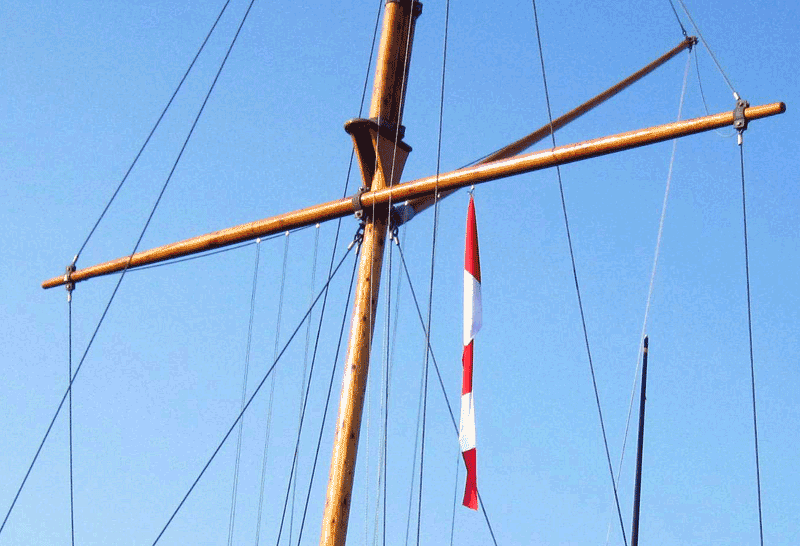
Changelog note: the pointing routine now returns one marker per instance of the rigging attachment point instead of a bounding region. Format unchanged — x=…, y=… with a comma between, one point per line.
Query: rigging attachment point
x=69, y=284
x=739, y=119
x=358, y=237
x=357, y=207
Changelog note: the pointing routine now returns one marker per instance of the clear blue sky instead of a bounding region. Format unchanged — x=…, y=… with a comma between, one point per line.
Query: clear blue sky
x=83, y=82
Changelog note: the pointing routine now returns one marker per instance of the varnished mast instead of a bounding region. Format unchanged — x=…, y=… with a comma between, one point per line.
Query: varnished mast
x=381, y=157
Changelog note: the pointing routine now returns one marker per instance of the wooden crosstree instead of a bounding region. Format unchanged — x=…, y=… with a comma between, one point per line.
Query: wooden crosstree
x=381, y=155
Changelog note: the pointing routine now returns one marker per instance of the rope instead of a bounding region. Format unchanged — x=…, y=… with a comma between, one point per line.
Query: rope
x=272, y=390
x=652, y=280
x=719, y=66
x=71, y=489
x=577, y=285
x=235, y=487
x=252, y=397
x=750, y=337
x=153, y=130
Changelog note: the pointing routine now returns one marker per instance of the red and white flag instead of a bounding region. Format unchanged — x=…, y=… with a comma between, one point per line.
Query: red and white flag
x=472, y=323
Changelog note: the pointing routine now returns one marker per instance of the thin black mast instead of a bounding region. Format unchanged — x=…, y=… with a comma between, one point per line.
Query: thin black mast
x=637, y=494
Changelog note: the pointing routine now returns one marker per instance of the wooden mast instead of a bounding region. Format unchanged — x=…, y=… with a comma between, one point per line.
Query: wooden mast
x=381, y=156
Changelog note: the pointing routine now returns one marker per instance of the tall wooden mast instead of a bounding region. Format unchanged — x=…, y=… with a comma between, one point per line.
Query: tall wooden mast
x=381, y=156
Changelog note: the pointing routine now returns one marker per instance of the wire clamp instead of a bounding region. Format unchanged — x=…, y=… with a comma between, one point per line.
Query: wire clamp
x=739, y=119
x=357, y=206
x=69, y=284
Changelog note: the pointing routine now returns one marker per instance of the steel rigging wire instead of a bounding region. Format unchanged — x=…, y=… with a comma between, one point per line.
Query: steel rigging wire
x=322, y=292
x=575, y=277
x=152, y=131
x=234, y=488
x=438, y=374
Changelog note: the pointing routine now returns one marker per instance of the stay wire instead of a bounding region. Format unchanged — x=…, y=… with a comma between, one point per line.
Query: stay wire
x=272, y=390
x=71, y=489
x=683, y=29
x=304, y=400
x=433, y=266
x=414, y=459
x=577, y=285
x=232, y=517
x=119, y=282
x=303, y=382
x=213, y=252
x=455, y=500
x=398, y=286
x=441, y=382
x=705, y=104
x=336, y=239
x=328, y=397
x=710, y=52
x=152, y=131
x=380, y=499
x=750, y=338
x=651, y=285
x=396, y=138
x=338, y=227
x=252, y=396
x=308, y=387
x=425, y=333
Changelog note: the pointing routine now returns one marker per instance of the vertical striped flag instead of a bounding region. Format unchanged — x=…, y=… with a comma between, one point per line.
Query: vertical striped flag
x=472, y=323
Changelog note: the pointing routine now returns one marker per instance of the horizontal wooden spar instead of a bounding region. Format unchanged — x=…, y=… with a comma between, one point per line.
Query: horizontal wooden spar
x=417, y=188
x=217, y=239
x=562, y=155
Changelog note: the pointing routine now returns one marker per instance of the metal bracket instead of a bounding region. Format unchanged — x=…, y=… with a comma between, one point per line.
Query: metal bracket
x=739, y=120
x=357, y=207
x=69, y=284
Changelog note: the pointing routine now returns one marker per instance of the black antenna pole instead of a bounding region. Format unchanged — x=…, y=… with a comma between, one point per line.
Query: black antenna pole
x=638, y=487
